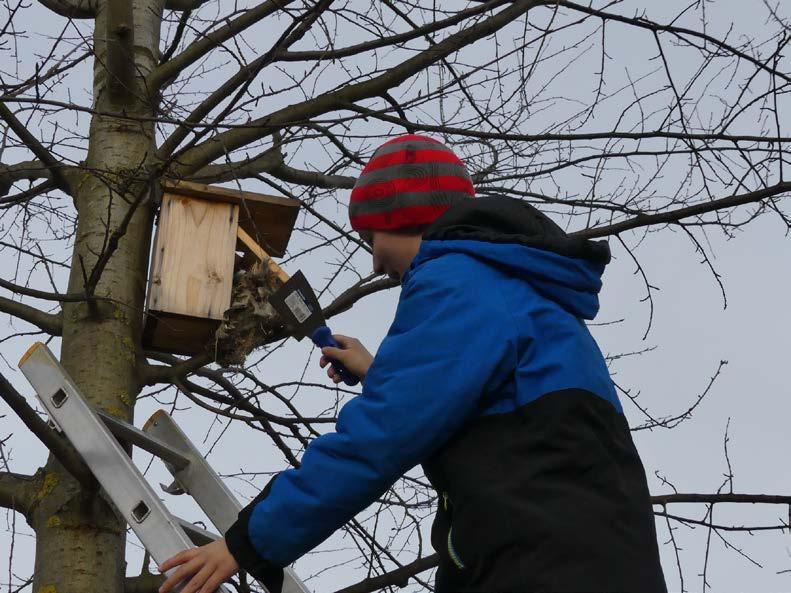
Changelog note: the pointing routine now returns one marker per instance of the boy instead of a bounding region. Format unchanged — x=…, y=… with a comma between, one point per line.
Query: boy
x=490, y=379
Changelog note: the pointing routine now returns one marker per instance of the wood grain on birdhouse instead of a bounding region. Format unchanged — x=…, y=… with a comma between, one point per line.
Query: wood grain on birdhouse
x=269, y=220
x=194, y=259
x=192, y=264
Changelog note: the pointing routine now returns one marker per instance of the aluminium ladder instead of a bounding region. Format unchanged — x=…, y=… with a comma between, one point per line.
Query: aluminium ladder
x=95, y=435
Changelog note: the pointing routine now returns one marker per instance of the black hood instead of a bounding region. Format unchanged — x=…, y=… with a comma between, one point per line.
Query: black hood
x=500, y=219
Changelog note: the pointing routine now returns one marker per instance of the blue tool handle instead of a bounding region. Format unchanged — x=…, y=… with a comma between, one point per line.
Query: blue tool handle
x=322, y=337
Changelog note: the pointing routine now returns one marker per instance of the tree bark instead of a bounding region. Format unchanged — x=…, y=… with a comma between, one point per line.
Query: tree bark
x=80, y=542
x=120, y=44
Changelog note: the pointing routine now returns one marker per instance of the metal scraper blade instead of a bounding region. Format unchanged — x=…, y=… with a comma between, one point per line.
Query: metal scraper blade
x=297, y=304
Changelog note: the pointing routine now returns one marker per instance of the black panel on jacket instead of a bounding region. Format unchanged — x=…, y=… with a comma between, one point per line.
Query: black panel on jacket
x=550, y=497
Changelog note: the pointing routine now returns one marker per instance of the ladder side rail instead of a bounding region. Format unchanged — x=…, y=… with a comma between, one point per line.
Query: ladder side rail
x=124, y=485
x=204, y=485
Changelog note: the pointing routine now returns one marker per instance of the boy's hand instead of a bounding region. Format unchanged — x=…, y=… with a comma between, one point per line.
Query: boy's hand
x=211, y=564
x=352, y=354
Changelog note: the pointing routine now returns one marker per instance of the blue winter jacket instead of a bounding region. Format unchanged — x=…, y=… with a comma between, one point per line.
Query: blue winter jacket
x=490, y=319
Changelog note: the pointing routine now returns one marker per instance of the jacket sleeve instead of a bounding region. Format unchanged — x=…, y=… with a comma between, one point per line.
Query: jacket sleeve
x=238, y=542
x=450, y=342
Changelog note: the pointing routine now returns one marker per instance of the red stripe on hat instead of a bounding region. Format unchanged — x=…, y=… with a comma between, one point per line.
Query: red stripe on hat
x=398, y=219
x=420, y=156
x=378, y=191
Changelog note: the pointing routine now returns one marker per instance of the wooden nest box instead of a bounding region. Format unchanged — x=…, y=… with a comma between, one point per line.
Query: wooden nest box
x=194, y=259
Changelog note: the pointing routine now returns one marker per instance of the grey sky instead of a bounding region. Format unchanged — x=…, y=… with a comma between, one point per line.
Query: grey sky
x=691, y=333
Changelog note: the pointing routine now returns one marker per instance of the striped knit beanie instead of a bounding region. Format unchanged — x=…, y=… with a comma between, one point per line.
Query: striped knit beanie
x=410, y=181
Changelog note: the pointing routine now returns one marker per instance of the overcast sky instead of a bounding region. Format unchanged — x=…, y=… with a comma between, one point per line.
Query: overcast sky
x=691, y=334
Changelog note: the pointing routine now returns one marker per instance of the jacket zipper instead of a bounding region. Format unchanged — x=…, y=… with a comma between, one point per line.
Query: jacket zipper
x=454, y=555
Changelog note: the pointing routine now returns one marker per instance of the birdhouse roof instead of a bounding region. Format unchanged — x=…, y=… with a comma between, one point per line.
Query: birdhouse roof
x=268, y=219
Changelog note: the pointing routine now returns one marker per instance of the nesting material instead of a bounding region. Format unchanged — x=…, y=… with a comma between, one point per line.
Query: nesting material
x=250, y=321
x=193, y=262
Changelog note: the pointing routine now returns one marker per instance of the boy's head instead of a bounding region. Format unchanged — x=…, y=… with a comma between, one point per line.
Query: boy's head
x=409, y=182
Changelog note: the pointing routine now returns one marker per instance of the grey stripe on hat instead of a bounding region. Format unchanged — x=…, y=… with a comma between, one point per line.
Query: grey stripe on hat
x=412, y=171
x=410, y=145
x=406, y=200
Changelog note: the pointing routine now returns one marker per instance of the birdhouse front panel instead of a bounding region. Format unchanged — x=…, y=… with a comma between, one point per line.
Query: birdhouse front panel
x=193, y=258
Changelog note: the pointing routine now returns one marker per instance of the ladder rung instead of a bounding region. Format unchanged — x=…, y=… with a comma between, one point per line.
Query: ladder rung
x=205, y=486
x=95, y=434
x=198, y=535
x=125, y=486
x=131, y=434
x=198, y=478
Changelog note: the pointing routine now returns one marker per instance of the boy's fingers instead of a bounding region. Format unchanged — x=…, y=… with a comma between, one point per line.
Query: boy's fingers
x=184, y=571
x=179, y=558
x=334, y=375
x=196, y=583
x=172, y=581
x=342, y=340
x=330, y=352
x=211, y=585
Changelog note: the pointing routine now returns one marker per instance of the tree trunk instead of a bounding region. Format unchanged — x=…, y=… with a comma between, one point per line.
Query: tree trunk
x=80, y=542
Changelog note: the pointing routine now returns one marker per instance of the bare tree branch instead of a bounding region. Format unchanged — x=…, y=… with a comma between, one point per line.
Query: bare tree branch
x=184, y=5
x=716, y=527
x=16, y=491
x=48, y=296
x=311, y=178
x=674, y=216
x=141, y=197
x=55, y=167
x=205, y=153
x=263, y=163
x=243, y=78
x=27, y=195
x=399, y=577
x=177, y=37
x=52, y=323
x=39, y=78
x=58, y=446
x=644, y=23
x=347, y=299
x=24, y=171
x=73, y=9
x=664, y=499
x=569, y=137
x=271, y=162
x=153, y=374
x=171, y=69
x=352, y=50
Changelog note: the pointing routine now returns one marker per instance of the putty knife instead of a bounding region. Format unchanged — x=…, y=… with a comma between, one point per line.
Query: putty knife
x=296, y=302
